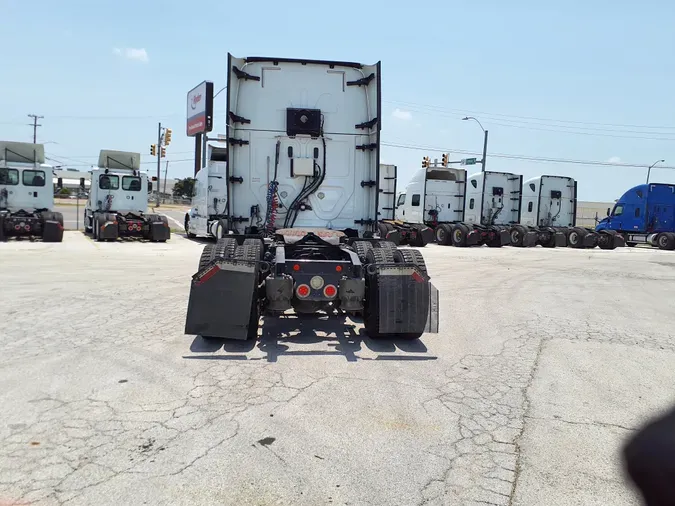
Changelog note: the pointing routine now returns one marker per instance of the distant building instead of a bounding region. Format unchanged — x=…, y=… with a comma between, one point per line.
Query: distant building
x=589, y=213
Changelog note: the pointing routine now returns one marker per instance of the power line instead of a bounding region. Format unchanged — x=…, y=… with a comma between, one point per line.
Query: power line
x=550, y=120
x=523, y=157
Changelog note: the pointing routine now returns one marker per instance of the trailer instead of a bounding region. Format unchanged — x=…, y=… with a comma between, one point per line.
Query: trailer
x=207, y=216
x=548, y=217
x=302, y=193
x=118, y=201
x=645, y=214
x=27, y=194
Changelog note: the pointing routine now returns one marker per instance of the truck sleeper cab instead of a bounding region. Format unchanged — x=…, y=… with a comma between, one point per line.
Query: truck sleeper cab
x=302, y=208
x=118, y=201
x=27, y=194
x=645, y=214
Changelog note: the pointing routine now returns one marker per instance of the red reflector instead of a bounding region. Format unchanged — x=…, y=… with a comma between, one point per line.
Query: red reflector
x=17, y=227
x=27, y=227
x=296, y=267
x=208, y=275
x=303, y=291
x=330, y=291
x=338, y=268
x=416, y=276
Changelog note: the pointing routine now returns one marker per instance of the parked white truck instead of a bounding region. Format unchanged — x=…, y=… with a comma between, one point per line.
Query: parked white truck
x=118, y=200
x=549, y=214
x=207, y=216
x=302, y=192
x=461, y=210
x=27, y=193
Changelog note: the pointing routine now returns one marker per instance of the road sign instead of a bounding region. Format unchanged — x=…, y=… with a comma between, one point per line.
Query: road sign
x=468, y=161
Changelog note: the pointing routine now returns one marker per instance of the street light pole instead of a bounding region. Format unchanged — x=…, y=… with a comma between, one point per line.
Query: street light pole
x=485, y=140
x=650, y=168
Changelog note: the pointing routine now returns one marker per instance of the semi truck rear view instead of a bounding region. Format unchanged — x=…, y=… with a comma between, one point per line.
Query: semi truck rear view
x=645, y=214
x=302, y=197
x=27, y=194
x=118, y=201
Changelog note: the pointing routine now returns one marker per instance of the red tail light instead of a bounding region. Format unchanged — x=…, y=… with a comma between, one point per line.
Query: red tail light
x=330, y=291
x=17, y=227
x=303, y=291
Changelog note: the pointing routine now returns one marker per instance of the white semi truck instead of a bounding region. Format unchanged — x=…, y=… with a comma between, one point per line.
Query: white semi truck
x=208, y=215
x=27, y=193
x=302, y=202
x=118, y=201
x=461, y=210
x=549, y=212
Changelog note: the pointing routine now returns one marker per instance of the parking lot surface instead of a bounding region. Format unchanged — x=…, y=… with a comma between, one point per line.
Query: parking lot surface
x=545, y=362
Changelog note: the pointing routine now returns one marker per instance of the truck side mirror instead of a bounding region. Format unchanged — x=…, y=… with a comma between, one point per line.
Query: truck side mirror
x=82, y=186
x=149, y=186
x=59, y=183
x=608, y=211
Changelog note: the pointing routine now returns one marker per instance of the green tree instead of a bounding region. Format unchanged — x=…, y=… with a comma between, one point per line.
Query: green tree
x=65, y=192
x=184, y=187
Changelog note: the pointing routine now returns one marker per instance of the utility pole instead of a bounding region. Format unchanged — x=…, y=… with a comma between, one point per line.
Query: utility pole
x=35, y=125
x=159, y=158
x=484, y=149
x=166, y=170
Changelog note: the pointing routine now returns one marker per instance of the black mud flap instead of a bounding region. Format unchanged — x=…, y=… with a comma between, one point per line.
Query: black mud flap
x=401, y=295
x=109, y=231
x=433, y=317
x=472, y=238
x=393, y=236
x=52, y=231
x=530, y=239
x=221, y=298
x=619, y=241
x=427, y=234
x=159, y=231
x=504, y=237
x=560, y=240
x=590, y=240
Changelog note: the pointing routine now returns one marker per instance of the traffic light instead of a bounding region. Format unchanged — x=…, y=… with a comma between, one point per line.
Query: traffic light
x=167, y=137
x=153, y=149
x=426, y=162
x=163, y=152
x=445, y=159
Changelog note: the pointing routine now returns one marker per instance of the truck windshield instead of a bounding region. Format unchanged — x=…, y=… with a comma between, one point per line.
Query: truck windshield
x=107, y=182
x=33, y=178
x=618, y=210
x=9, y=176
x=131, y=183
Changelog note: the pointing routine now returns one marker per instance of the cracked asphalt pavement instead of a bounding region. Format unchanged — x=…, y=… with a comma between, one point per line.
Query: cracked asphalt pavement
x=545, y=362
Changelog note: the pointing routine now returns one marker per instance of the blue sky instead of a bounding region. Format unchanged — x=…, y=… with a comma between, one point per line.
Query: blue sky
x=547, y=81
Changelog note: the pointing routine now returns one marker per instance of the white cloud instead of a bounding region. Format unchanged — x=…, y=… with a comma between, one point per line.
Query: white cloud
x=131, y=53
x=400, y=114
x=614, y=159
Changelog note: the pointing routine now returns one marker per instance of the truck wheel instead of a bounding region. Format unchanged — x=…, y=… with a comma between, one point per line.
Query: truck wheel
x=443, y=234
x=411, y=256
x=459, y=235
x=380, y=256
x=188, y=234
x=666, y=241
x=207, y=256
x=97, y=228
x=575, y=239
x=518, y=234
x=225, y=247
x=255, y=249
x=386, y=245
x=362, y=248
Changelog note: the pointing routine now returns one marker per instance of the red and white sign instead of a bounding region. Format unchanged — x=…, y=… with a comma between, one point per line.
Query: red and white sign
x=200, y=109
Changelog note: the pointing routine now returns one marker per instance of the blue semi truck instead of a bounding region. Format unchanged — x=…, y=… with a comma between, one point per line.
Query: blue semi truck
x=645, y=214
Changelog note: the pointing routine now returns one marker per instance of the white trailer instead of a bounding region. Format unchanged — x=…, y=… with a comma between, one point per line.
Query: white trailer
x=27, y=193
x=208, y=215
x=548, y=217
x=118, y=201
x=302, y=206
